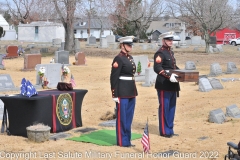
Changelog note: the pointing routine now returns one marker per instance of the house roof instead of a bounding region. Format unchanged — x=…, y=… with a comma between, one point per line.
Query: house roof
x=3, y=22
x=41, y=23
x=94, y=24
x=159, y=25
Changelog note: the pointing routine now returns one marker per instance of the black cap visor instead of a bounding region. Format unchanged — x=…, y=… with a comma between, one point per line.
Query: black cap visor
x=128, y=43
x=169, y=38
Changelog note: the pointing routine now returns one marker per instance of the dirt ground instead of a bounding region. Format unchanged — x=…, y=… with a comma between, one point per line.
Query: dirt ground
x=198, y=138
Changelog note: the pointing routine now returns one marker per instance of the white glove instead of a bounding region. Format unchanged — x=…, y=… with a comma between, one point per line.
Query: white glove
x=115, y=100
x=173, y=78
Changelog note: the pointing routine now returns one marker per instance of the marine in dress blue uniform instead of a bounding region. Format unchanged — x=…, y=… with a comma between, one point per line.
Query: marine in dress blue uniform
x=124, y=91
x=166, y=85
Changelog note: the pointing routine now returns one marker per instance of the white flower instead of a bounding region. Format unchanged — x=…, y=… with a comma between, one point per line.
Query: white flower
x=66, y=69
x=41, y=71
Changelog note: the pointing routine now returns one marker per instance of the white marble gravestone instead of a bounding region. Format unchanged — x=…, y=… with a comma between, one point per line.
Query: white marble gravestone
x=150, y=77
x=53, y=72
x=216, y=84
x=190, y=65
x=103, y=43
x=233, y=111
x=204, y=85
x=231, y=67
x=6, y=82
x=215, y=69
x=217, y=116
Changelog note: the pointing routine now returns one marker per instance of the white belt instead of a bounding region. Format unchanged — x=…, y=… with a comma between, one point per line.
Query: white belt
x=126, y=78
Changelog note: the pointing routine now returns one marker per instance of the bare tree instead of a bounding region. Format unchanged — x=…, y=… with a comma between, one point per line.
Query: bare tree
x=20, y=10
x=66, y=10
x=209, y=15
x=136, y=13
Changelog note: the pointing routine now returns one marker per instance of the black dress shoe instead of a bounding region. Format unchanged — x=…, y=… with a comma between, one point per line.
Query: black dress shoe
x=166, y=136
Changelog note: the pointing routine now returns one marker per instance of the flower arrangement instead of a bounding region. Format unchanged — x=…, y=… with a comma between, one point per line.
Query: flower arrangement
x=65, y=70
x=41, y=71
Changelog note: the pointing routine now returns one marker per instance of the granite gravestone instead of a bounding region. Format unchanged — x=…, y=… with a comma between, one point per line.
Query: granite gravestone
x=213, y=41
x=204, y=85
x=53, y=73
x=231, y=68
x=80, y=58
x=92, y=40
x=35, y=51
x=1, y=62
x=217, y=116
x=233, y=111
x=44, y=50
x=215, y=69
x=190, y=65
x=216, y=84
x=30, y=61
x=6, y=83
x=62, y=57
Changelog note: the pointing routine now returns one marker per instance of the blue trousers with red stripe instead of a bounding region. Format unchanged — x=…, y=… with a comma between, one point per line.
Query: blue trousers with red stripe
x=166, y=111
x=125, y=112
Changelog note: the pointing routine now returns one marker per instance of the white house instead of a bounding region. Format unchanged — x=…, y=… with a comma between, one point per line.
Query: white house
x=165, y=25
x=41, y=31
x=96, y=25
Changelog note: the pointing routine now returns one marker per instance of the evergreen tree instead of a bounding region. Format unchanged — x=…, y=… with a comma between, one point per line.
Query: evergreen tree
x=139, y=67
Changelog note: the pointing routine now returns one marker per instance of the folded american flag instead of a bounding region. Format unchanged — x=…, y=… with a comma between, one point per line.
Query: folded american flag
x=145, y=139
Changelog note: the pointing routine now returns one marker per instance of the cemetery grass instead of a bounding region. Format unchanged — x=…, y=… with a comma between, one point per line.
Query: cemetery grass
x=196, y=135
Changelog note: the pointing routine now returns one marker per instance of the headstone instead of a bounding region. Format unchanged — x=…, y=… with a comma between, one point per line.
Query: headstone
x=2, y=67
x=231, y=67
x=12, y=52
x=81, y=60
x=103, y=43
x=233, y=111
x=30, y=46
x=217, y=116
x=219, y=47
x=216, y=84
x=6, y=82
x=215, y=50
x=56, y=42
x=196, y=40
x=215, y=69
x=62, y=46
x=144, y=63
x=204, y=85
x=31, y=60
x=76, y=45
x=44, y=50
x=35, y=51
x=213, y=41
x=110, y=39
x=52, y=73
x=150, y=77
x=92, y=40
x=62, y=57
x=190, y=65
x=210, y=49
